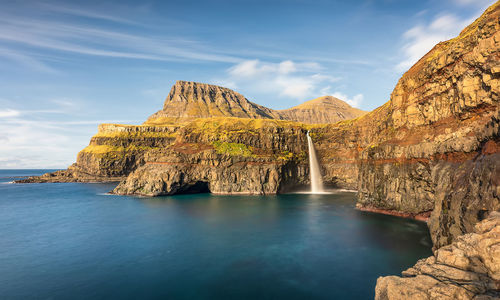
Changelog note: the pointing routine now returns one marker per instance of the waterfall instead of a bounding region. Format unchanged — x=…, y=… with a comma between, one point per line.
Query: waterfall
x=316, y=182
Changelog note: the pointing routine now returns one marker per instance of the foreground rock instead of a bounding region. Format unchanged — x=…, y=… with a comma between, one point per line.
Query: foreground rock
x=469, y=268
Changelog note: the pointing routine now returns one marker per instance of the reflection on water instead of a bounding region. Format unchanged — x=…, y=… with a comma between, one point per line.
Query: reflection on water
x=73, y=241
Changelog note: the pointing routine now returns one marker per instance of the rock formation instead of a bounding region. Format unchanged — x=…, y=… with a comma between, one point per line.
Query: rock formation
x=225, y=156
x=469, y=268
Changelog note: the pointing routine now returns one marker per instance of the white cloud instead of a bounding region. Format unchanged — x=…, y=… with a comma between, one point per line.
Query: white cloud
x=26, y=143
x=9, y=113
x=295, y=80
x=355, y=101
x=32, y=138
x=421, y=39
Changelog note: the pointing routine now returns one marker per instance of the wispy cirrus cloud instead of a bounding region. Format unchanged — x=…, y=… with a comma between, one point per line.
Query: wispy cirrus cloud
x=9, y=113
x=26, y=60
x=52, y=31
x=60, y=36
x=79, y=11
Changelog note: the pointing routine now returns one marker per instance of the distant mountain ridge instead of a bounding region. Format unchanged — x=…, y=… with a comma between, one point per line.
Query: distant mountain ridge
x=325, y=109
x=200, y=100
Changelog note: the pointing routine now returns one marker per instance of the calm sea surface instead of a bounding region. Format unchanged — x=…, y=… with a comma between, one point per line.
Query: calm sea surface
x=72, y=241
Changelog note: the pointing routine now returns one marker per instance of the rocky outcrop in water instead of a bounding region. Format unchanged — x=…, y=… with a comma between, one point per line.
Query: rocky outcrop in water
x=469, y=268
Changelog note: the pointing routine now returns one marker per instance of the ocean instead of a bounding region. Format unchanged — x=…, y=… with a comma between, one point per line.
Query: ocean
x=75, y=241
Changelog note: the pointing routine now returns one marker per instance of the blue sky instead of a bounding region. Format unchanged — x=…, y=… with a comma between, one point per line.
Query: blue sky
x=66, y=66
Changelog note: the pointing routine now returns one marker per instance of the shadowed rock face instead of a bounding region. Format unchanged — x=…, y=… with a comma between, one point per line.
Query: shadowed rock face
x=434, y=147
x=469, y=268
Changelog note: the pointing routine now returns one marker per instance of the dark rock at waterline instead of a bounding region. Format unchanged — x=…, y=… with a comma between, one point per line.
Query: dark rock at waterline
x=469, y=268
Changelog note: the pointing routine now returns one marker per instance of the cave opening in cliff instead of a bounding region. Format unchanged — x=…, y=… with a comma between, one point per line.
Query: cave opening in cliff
x=196, y=188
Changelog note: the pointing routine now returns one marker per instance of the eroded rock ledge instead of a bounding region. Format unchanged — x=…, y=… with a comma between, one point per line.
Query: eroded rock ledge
x=469, y=268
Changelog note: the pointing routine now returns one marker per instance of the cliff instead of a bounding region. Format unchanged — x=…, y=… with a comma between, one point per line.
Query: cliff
x=469, y=268
x=434, y=147
x=225, y=156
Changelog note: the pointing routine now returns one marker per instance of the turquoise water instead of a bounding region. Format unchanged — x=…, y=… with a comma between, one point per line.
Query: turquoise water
x=72, y=241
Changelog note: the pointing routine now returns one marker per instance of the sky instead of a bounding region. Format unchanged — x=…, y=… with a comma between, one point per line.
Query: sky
x=67, y=66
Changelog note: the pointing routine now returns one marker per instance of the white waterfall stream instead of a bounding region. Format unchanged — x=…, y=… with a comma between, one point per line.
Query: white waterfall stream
x=316, y=181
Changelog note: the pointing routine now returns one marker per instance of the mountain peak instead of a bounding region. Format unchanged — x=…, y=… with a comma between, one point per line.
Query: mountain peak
x=188, y=99
x=325, y=109
x=322, y=102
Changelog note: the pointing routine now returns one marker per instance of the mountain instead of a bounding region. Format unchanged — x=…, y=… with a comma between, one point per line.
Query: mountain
x=199, y=100
x=322, y=110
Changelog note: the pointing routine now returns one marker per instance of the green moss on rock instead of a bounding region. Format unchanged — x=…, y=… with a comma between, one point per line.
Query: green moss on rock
x=233, y=149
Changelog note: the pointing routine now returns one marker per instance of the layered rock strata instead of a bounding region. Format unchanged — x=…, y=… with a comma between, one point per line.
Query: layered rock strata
x=225, y=156
x=469, y=268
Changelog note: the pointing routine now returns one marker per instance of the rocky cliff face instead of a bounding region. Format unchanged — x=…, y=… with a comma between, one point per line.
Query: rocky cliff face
x=225, y=156
x=114, y=152
x=434, y=146
x=437, y=147
x=469, y=268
